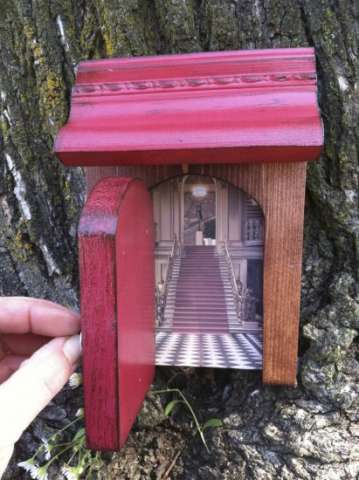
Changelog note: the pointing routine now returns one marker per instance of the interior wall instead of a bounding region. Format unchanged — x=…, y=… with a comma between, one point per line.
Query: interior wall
x=236, y=218
x=167, y=224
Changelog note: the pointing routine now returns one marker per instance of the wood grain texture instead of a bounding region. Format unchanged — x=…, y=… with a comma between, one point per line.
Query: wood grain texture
x=135, y=283
x=117, y=307
x=214, y=107
x=280, y=190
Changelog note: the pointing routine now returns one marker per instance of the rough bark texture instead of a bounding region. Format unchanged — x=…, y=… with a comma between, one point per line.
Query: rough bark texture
x=310, y=432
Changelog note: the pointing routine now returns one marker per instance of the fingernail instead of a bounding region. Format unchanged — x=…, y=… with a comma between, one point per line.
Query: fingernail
x=72, y=348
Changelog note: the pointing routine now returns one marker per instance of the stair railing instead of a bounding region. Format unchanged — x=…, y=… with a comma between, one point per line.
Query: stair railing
x=236, y=289
x=161, y=293
x=245, y=301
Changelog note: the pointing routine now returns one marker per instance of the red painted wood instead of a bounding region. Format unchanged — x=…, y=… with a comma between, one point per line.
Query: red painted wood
x=221, y=107
x=117, y=307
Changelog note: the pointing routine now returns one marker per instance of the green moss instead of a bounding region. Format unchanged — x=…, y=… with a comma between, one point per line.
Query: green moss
x=19, y=244
x=108, y=45
x=52, y=99
x=4, y=127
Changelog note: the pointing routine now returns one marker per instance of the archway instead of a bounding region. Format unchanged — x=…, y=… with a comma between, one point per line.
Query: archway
x=209, y=273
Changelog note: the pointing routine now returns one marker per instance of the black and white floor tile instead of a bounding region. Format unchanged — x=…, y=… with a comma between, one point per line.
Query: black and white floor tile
x=223, y=350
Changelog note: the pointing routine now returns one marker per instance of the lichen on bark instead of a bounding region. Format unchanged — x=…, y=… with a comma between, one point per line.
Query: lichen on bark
x=310, y=432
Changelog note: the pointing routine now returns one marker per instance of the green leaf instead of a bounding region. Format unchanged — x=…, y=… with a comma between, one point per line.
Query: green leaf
x=212, y=423
x=170, y=406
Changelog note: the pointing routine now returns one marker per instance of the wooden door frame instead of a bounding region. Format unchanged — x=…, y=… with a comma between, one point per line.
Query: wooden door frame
x=279, y=188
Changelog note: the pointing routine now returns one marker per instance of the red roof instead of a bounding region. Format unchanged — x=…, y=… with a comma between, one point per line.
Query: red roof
x=218, y=107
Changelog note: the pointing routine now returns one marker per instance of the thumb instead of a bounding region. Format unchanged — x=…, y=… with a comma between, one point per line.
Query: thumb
x=36, y=382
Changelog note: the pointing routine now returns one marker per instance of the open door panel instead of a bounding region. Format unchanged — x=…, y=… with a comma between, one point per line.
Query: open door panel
x=116, y=244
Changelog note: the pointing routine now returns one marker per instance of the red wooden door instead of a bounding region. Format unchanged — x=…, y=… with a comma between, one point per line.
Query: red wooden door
x=116, y=243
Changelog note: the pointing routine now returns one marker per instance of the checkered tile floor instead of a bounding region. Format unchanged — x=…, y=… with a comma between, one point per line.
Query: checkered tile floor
x=225, y=350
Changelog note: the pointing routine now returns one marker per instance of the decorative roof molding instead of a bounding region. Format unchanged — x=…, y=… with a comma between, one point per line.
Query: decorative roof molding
x=221, y=107
x=198, y=83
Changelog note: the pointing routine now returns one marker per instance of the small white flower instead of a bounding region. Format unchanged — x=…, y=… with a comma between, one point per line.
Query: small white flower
x=29, y=466
x=34, y=474
x=75, y=380
x=71, y=473
x=80, y=413
x=48, y=449
x=41, y=473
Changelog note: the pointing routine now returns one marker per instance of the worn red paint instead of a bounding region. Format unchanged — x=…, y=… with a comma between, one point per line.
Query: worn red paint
x=117, y=307
x=222, y=107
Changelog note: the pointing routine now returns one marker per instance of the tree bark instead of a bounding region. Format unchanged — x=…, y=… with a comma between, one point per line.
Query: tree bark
x=310, y=432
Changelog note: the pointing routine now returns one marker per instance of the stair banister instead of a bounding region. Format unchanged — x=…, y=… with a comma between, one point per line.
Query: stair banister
x=162, y=296
x=235, y=287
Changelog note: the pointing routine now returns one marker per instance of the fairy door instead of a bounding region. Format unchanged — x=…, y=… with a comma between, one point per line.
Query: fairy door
x=116, y=245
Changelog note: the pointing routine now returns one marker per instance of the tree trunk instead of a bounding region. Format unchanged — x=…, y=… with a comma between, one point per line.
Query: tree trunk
x=309, y=432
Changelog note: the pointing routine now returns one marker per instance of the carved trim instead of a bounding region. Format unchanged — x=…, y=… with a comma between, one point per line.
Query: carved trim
x=217, y=107
x=229, y=81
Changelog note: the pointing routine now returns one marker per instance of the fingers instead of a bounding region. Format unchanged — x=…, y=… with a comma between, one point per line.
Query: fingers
x=5, y=455
x=22, y=344
x=34, y=384
x=9, y=365
x=23, y=315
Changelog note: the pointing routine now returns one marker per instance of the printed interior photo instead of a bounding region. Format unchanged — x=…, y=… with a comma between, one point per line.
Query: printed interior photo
x=209, y=274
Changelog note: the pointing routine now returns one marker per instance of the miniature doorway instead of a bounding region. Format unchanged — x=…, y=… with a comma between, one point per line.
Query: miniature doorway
x=209, y=274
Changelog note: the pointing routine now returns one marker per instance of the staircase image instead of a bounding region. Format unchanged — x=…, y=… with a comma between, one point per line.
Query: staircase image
x=200, y=325
x=200, y=297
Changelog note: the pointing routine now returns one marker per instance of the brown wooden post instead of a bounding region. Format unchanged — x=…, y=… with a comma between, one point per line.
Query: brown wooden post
x=284, y=212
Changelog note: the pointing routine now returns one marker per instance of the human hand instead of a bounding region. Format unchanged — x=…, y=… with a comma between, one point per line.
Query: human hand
x=32, y=368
